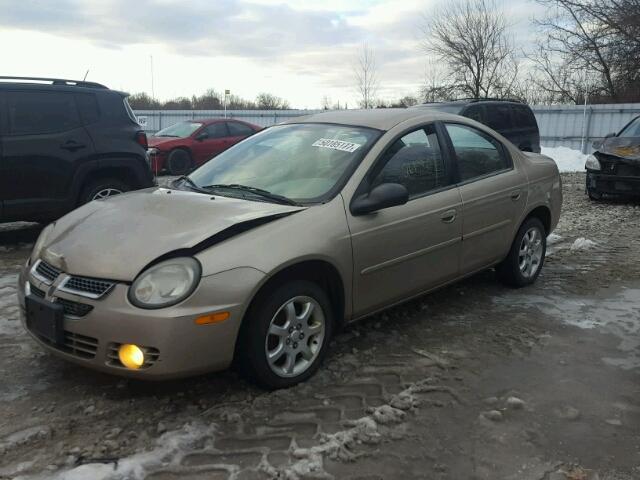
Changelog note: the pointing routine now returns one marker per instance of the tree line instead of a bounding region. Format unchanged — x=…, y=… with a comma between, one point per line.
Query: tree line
x=210, y=100
x=585, y=50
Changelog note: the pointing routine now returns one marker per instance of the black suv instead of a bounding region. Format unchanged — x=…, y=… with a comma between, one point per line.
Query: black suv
x=512, y=119
x=64, y=143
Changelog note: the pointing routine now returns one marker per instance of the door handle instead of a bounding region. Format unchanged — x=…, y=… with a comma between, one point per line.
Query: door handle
x=449, y=216
x=515, y=195
x=72, y=145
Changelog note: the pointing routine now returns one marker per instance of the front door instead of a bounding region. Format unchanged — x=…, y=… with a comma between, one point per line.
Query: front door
x=494, y=195
x=216, y=140
x=43, y=145
x=402, y=251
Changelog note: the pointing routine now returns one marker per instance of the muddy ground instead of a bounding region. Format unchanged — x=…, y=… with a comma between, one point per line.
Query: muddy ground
x=476, y=381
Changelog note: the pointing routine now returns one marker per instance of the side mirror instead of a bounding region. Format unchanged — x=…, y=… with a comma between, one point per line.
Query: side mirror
x=202, y=136
x=609, y=135
x=383, y=196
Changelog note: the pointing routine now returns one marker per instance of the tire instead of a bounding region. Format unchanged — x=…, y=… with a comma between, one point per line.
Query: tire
x=102, y=188
x=269, y=313
x=179, y=162
x=510, y=271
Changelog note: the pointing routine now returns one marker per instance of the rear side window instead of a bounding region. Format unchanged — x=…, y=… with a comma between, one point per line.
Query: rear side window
x=88, y=107
x=498, y=117
x=477, y=153
x=239, y=129
x=475, y=112
x=523, y=117
x=414, y=161
x=216, y=130
x=32, y=113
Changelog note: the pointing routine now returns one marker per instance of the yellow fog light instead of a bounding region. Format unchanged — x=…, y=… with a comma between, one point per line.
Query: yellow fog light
x=131, y=356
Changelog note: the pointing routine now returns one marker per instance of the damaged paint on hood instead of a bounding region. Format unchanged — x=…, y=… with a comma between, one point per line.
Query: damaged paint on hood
x=623, y=147
x=117, y=237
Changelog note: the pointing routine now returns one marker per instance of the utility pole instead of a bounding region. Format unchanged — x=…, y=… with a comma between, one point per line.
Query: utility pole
x=226, y=93
x=153, y=92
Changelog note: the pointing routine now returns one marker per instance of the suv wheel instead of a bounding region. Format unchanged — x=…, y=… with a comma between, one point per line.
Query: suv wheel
x=102, y=188
x=179, y=162
x=286, y=334
x=526, y=257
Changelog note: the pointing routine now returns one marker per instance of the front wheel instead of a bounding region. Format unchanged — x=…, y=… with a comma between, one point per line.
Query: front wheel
x=286, y=334
x=526, y=257
x=102, y=188
x=179, y=162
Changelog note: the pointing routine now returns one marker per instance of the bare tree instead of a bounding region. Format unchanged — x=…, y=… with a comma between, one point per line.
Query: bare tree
x=366, y=77
x=436, y=86
x=267, y=101
x=472, y=38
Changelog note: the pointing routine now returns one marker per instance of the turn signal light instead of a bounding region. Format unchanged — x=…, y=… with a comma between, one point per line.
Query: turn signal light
x=212, y=318
x=131, y=356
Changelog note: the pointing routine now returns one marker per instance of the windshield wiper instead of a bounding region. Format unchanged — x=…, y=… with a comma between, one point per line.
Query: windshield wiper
x=255, y=190
x=192, y=185
x=172, y=136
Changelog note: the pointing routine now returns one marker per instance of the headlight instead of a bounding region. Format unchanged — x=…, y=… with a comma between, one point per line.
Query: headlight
x=592, y=163
x=44, y=236
x=166, y=283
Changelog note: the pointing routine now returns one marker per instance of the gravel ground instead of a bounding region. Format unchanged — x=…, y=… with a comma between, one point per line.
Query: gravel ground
x=475, y=381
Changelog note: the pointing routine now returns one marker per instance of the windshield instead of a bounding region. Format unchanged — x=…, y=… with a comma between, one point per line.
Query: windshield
x=631, y=130
x=181, y=130
x=302, y=162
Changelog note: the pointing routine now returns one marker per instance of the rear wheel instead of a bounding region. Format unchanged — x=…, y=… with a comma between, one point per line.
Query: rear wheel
x=179, y=162
x=102, y=188
x=286, y=334
x=526, y=257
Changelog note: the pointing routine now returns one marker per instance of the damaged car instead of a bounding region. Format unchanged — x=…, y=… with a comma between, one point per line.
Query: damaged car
x=260, y=255
x=614, y=167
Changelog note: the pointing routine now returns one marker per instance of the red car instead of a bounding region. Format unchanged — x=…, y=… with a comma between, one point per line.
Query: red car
x=185, y=145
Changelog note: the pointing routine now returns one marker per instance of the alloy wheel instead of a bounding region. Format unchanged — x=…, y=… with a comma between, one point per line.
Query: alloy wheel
x=530, y=253
x=106, y=192
x=295, y=336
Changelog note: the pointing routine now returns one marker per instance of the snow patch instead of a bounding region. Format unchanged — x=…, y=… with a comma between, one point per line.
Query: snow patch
x=170, y=448
x=553, y=239
x=567, y=159
x=582, y=244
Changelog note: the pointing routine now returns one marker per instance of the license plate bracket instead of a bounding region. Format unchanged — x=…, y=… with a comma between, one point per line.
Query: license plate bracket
x=45, y=318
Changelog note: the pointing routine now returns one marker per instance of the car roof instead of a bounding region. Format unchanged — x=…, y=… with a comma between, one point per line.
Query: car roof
x=378, y=118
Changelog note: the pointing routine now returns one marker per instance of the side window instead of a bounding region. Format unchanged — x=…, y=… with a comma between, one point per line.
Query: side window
x=475, y=112
x=33, y=113
x=216, y=130
x=88, y=107
x=498, y=117
x=477, y=153
x=239, y=129
x=523, y=117
x=414, y=161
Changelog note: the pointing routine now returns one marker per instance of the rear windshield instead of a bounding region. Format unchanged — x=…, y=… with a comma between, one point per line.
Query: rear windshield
x=129, y=110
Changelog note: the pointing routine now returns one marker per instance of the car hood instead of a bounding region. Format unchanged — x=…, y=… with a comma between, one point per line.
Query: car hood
x=623, y=147
x=117, y=237
x=160, y=142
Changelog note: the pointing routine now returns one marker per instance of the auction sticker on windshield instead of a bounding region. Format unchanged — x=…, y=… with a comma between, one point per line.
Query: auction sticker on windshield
x=336, y=145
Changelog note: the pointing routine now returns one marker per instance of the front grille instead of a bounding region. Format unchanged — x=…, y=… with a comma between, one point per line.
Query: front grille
x=74, y=309
x=83, y=285
x=70, y=307
x=75, y=344
x=151, y=356
x=625, y=170
x=36, y=291
x=47, y=272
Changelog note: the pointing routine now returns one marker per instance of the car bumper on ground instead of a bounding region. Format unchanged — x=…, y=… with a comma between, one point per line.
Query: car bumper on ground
x=613, y=184
x=174, y=345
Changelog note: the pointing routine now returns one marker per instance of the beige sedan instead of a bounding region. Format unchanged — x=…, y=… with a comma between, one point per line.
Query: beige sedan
x=261, y=254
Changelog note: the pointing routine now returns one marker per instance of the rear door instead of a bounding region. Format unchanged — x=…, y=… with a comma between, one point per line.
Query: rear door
x=494, y=194
x=217, y=140
x=43, y=147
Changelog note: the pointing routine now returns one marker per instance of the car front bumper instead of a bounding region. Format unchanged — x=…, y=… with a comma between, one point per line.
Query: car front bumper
x=613, y=184
x=174, y=345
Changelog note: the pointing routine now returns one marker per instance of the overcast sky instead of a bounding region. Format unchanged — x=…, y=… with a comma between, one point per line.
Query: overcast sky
x=300, y=50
